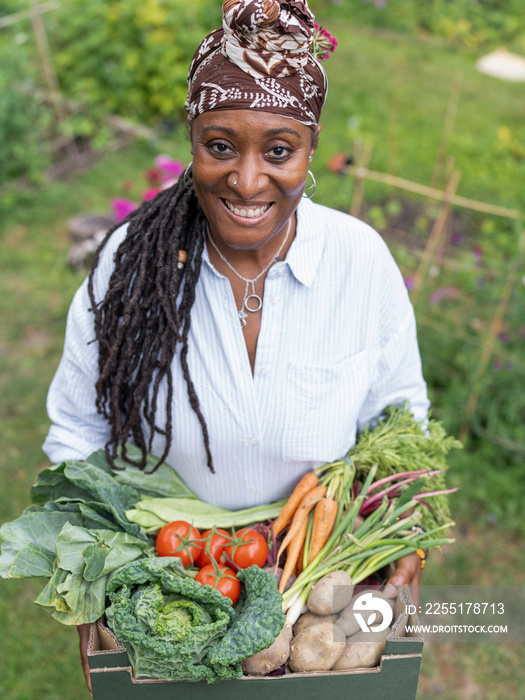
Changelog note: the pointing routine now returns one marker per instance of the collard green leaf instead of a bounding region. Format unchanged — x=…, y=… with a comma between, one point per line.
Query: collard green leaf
x=93, y=519
x=95, y=553
x=164, y=481
x=110, y=497
x=52, y=484
x=32, y=561
x=40, y=528
x=69, y=546
x=48, y=596
x=102, y=486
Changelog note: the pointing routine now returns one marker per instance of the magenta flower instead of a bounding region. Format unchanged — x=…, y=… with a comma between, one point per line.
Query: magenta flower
x=444, y=293
x=409, y=283
x=477, y=253
x=150, y=193
x=154, y=176
x=170, y=168
x=122, y=207
x=323, y=43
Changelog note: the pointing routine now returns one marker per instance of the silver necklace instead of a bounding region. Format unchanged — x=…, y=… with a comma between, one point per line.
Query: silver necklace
x=250, y=297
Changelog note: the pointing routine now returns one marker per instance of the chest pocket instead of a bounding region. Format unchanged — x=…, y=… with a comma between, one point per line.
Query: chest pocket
x=322, y=407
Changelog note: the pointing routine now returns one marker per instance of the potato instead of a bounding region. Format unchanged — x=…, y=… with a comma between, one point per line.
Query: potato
x=360, y=653
x=308, y=619
x=269, y=659
x=347, y=620
x=331, y=593
x=317, y=648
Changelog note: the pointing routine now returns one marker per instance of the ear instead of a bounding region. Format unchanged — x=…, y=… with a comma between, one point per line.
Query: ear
x=315, y=140
x=189, y=122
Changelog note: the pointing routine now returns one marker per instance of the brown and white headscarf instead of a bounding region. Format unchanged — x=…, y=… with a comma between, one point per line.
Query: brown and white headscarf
x=260, y=60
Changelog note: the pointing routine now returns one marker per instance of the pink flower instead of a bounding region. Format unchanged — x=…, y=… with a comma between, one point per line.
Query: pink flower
x=323, y=43
x=171, y=168
x=150, y=193
x=122, y=207
x=153, y=176
x=444, y=293
x=409, y=283
x=477, y=253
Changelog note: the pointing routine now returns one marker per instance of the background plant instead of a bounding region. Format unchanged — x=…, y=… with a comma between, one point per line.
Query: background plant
x=130, y=57
x=25, y=124
x=474, y=24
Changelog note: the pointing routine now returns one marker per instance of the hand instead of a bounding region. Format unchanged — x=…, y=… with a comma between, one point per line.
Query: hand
x=83, y=634
x=407, y=572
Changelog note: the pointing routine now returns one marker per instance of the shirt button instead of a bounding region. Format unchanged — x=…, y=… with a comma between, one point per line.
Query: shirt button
x=265, y=370
x=254, y=441
x=275, y=299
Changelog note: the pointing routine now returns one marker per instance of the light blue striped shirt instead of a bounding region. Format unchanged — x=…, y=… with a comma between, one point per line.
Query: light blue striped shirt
x=337, y=344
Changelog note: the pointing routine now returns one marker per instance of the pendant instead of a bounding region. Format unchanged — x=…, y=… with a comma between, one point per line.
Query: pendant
x=258, y=302
x=242, y=317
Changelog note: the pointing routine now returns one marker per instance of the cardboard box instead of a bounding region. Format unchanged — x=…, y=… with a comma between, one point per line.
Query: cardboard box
x=396, y=678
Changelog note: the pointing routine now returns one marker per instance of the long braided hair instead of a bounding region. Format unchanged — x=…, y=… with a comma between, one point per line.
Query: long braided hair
x=139, y=323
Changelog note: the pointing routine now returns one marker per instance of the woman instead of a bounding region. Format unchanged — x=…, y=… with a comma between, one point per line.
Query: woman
x=243, y=333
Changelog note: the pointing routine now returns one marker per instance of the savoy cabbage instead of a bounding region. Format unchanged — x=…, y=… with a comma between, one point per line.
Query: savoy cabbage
x=176, y=629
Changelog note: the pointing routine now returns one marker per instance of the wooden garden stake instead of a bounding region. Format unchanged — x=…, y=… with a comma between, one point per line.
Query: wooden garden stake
x=395, y=109
x=436, y=235
x=448, y=127
x=360, y=172
x=49, y=75
x=488, y=344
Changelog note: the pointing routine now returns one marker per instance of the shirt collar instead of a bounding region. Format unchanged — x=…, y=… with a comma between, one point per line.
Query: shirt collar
x=304, y=255
x=306, y=250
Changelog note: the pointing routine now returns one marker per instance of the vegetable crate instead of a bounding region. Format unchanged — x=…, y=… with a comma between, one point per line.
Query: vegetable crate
x=396, y=677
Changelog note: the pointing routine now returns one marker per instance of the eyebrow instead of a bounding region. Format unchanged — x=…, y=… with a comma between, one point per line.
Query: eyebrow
x=270, y=133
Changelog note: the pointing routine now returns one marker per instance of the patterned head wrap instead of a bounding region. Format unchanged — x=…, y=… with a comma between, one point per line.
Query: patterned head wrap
x=260, y=59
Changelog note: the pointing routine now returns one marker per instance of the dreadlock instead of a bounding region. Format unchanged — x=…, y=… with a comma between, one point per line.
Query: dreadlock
x=138, y=323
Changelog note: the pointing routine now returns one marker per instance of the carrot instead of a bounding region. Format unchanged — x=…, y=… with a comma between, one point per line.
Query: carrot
x=292, y=554
x=301, y=516
x=307, y=483
x=323, y=523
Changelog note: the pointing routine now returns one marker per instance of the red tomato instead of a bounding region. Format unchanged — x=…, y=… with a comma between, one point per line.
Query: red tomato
x=224, y=580
x=214, y=547
x=179, y=539
x=248, y=548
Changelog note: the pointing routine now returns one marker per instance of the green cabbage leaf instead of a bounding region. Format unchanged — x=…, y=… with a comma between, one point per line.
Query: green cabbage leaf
x=176, y=629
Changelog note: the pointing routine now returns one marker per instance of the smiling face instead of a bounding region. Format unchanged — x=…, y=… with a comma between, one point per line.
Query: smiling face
x=267, y=156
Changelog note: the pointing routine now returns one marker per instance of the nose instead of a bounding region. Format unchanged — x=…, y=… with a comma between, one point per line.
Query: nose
x=249, y=179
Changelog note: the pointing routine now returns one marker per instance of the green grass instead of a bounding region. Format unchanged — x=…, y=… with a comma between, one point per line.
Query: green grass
x=39, y=656
x=393, y=92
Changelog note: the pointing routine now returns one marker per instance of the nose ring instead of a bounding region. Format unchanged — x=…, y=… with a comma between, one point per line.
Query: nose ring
x=235, y=182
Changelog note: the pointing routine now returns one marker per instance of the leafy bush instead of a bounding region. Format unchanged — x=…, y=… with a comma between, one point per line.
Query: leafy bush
x=474, y=24
x=24, y=120
x=130, y=57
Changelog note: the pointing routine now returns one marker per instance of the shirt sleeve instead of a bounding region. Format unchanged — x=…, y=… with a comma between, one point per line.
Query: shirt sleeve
x=397, y=375
x=77, y=429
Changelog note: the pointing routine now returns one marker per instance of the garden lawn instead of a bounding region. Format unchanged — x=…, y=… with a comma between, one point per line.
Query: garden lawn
x=392, y=91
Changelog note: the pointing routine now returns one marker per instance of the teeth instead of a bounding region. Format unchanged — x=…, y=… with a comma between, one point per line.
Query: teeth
x=247, y=213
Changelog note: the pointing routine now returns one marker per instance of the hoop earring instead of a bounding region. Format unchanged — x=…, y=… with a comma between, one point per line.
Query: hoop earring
x=311, y=187
x=187, y=178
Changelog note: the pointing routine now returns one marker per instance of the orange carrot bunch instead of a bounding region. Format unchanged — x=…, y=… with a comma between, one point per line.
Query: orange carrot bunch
x=308, y=495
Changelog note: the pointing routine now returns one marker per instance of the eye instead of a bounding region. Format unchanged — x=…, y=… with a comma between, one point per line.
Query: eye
x=279, y=153
x=220, y=148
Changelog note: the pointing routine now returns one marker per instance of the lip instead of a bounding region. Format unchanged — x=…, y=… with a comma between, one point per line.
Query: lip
x=247, y=219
